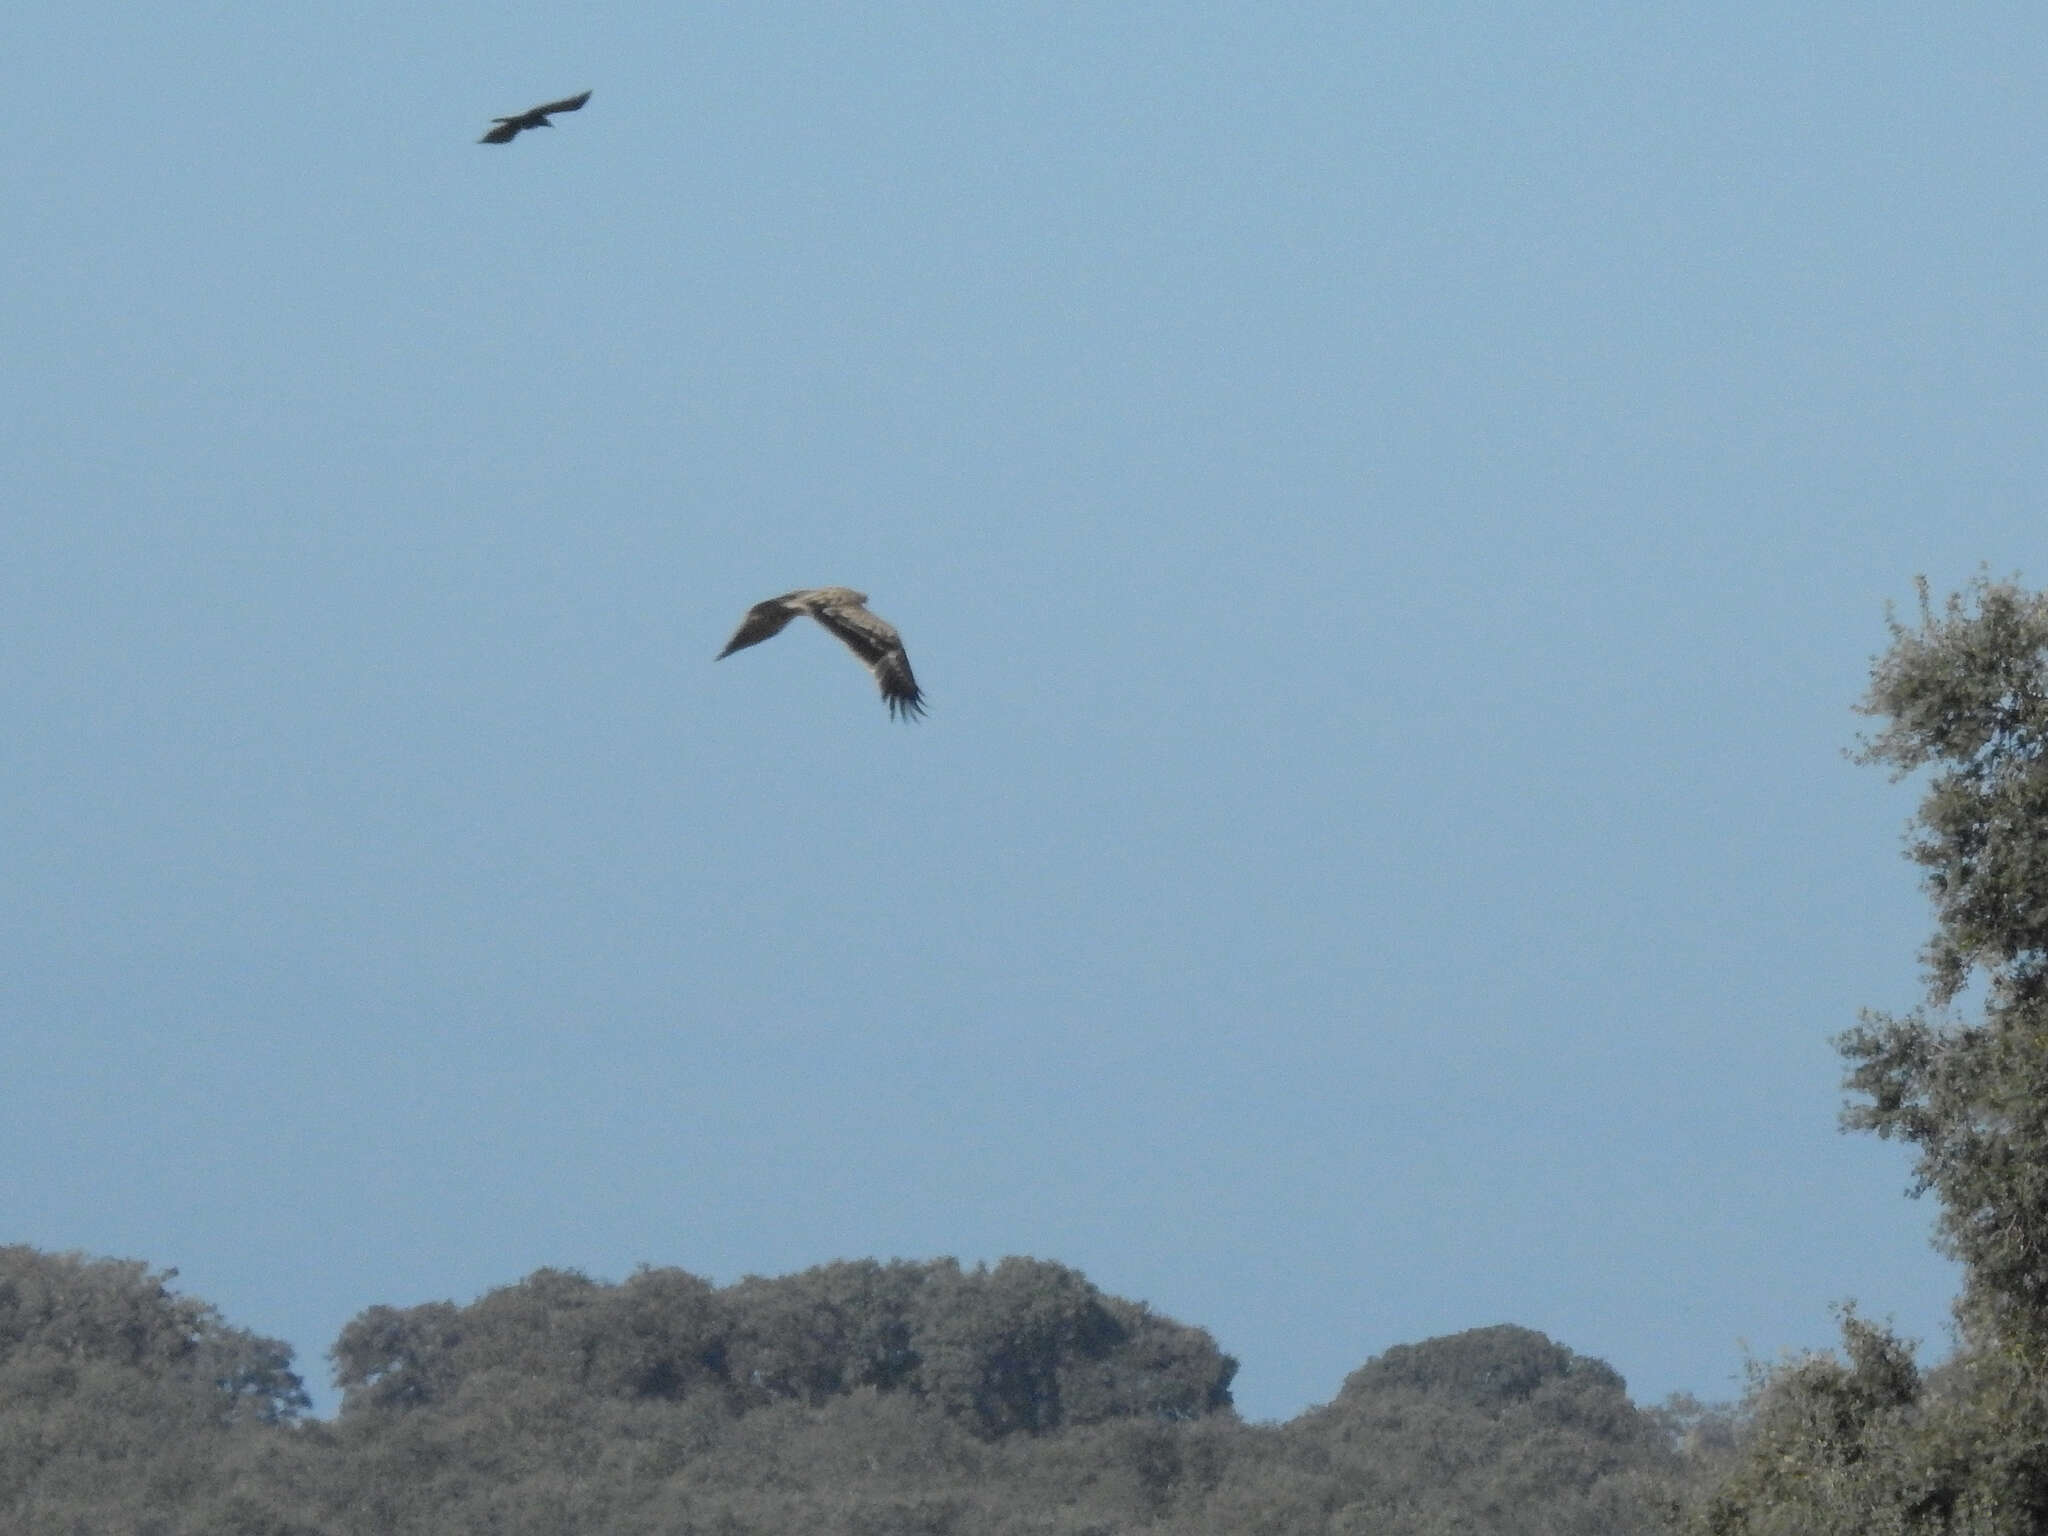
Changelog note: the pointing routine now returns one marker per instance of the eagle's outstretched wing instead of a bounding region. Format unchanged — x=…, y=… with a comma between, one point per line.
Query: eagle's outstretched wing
x=566, y=104
x=507, y=128
x=875, y=641
x=764, y=621
x=842, y=611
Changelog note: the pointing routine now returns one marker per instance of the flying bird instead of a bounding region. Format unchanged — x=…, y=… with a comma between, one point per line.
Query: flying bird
x=508, y=127
x=841, y=610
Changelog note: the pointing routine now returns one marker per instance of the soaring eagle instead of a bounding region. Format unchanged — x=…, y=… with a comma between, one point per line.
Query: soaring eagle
x=840, y=610
x=508, y=127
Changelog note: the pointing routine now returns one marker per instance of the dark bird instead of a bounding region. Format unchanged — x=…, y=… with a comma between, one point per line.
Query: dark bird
x=841, y=610
x=508, y=127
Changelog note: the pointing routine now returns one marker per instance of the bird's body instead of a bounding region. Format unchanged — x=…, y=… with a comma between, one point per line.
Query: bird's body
x=537, y=117
x=842, y=611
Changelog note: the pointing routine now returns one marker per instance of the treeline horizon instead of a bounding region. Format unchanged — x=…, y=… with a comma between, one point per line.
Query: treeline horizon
x=410, y=1353
x=857, y=1396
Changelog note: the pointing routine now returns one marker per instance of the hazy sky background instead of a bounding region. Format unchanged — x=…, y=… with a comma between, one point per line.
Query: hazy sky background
x=1391, y=507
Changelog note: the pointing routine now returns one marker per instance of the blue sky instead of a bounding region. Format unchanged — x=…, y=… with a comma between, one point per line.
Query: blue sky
x=1391, y=513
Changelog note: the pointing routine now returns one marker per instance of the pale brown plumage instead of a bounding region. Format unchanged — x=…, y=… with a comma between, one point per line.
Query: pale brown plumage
x=842, y=611
x=534, y=117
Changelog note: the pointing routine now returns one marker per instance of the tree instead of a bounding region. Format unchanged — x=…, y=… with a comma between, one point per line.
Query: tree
x=1965, y=694
x=1871, y=1445
x=1031, y=1345
x=825, y=1332
x=1832, y=1447
x=1508, y=1429
x=59, y=1312
x=121, y=1399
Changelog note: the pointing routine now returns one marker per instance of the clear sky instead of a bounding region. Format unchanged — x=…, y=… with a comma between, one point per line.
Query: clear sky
x=1391, y=506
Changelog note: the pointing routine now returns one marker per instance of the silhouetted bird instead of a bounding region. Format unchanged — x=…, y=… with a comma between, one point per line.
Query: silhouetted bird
x=839, y=609
x=508, y=127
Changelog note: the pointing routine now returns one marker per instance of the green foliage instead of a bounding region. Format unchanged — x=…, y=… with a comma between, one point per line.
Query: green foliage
x=1966, y=697
x=121, y=1397
x=1966, y=694
x=391, y=1357
x=1861, y=1442
x=1031, y=1346
x=1496, y=1429
x=60, y=1311
x=857, y=1399
x=825, y=1332
x=1834, y=1445
x=1489, y=1368
x=1027, y=1346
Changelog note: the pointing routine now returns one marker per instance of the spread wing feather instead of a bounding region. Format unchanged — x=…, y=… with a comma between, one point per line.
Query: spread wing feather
x=764, y=621
x=875, y=641
x=567, y=104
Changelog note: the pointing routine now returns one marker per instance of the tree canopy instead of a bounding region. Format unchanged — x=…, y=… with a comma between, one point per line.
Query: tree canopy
x=859, y=1397
x=1865, y=1441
